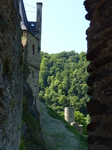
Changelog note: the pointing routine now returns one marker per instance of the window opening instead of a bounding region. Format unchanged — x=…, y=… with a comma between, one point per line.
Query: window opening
x=33, y=49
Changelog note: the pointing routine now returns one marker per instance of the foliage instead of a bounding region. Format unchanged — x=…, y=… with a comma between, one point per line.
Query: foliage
x=62, y=81
x=81, y=119
x=31, y=136
x=22, y=146
x=31, y=125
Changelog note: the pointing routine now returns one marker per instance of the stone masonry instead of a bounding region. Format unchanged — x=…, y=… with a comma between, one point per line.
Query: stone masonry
x=69, y=114
x=31, y=41
x=33, y=61
x=99, y=37
x=11, y=83
x=17, y=65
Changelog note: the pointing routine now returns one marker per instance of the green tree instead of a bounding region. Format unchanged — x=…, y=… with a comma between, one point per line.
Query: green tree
x=62, y=80
x=81, y=119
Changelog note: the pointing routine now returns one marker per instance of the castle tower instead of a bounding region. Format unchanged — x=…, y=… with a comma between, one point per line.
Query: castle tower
x=31, y=41
x=39, y=23
x=69, y=114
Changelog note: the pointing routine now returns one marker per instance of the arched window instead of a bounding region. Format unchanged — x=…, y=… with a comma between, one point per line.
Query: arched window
x=33, y=49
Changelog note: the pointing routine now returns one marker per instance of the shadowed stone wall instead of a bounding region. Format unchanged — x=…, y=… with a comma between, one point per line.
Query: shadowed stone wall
x=11, y=84
x=99, y=37
x=14, y=89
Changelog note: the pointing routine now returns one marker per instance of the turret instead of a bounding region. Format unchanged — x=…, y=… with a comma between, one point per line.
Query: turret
x=69, y=114
x=39, y=23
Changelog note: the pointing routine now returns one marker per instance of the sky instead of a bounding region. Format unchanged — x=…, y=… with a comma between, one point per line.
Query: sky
x=63, y=24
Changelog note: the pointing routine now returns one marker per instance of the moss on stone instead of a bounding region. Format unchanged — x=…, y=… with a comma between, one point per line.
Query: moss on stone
x=22, y=146
x=32, y=134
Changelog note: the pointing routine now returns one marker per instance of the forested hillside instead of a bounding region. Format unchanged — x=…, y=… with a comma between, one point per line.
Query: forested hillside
x=62, y=80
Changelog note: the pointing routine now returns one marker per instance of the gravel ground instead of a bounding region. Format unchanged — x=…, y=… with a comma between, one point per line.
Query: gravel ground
x=56, y=136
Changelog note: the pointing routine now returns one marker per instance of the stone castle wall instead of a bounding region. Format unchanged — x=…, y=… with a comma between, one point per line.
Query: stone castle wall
x=33, y=61
x=31, y=128
x=78, y=127
x=99, y=36
x=33, y=81
x=11, y=83
x=19, y=76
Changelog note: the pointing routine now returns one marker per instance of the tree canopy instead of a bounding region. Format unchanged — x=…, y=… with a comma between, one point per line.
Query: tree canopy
x=62, y=80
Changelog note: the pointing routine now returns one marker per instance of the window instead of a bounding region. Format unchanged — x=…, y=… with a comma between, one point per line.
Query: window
x=32, y=25
x=33, y=49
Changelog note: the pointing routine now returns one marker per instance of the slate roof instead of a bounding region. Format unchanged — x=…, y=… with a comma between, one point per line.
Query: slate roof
x=25, y=25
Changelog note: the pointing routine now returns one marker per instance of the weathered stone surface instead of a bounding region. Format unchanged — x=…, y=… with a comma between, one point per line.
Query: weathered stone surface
x=11, y=83
x=15, y=68
x=99, y=37
x=33, y=61
x=31, y=128
x=32, y=137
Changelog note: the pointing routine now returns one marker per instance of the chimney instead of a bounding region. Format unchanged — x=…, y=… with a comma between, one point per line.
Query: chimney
x=39, y=23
